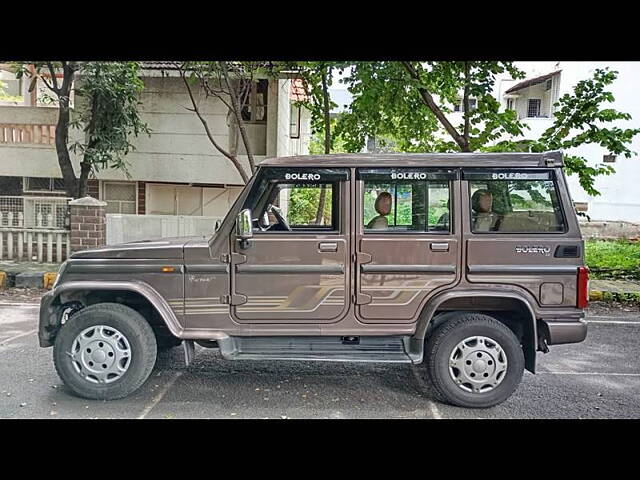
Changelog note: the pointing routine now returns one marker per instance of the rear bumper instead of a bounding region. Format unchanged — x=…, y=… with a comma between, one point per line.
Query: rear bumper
x=561, y=331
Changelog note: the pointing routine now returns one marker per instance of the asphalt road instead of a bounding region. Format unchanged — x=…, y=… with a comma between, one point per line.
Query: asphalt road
x=599, y=378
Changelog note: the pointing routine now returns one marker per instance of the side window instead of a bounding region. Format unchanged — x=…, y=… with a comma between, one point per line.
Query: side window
x=301, y=205
x=399, y=202
x=515, y=205
x=299, y=200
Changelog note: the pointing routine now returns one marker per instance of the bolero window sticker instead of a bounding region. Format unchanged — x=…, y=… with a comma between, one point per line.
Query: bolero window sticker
x=283, y=174
x=469, y=174
x=419, y=174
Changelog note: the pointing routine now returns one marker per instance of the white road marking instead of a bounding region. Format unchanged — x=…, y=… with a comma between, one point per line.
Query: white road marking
x=615, y=322
x=610, y=374
x=2, y=342
x=432, y=406
x=614, y=316
x=19, y=304
x=159, y=396
x=434, y=411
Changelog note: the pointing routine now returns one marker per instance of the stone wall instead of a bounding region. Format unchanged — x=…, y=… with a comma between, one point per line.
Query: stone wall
x=610, y=230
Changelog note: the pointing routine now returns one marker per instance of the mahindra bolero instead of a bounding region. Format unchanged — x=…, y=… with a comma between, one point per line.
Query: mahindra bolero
x=464, y=265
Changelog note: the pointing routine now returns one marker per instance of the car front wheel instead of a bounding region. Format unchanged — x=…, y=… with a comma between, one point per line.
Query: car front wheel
x=105, y=351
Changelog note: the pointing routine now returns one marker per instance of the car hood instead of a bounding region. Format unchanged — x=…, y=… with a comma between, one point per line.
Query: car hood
x=172, y=247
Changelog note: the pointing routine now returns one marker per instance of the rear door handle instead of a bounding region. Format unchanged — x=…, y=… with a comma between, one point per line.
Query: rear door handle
x=439, y=247
x=328, y=247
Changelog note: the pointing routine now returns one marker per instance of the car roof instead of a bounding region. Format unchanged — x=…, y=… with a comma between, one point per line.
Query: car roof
x=543, y=159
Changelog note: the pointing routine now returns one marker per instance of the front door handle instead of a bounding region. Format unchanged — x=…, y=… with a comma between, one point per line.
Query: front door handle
x=440, y=247
x=328, y=247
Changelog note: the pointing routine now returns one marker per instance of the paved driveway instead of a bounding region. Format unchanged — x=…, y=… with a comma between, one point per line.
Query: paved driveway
x=599, y=378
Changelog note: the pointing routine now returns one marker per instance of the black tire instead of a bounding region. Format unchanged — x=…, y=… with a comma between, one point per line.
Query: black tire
x=167, y=341
x=444, y=339
x=138, y=333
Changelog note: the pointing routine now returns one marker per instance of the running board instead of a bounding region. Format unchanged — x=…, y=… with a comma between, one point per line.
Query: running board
x=319, y=349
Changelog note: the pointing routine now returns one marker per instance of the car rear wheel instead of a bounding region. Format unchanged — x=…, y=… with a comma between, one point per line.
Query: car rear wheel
x=105, y=351
x=474, y=361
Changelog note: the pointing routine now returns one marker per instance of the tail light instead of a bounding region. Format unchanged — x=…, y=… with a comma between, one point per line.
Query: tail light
x=583, y=287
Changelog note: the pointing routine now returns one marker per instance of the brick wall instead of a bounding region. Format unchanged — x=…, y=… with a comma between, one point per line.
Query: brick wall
x=88, y=226
x=141, y=198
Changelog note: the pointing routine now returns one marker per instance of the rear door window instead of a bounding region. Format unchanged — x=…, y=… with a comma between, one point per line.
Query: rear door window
x=406, y=200
x=514, y=202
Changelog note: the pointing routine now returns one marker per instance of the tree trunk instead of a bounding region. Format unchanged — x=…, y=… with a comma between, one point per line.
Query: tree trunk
x=431, y=104
x=465, y=101
x=86, y=164
x=85, y=169
x=327, y=141
x=196, y=110
x=62, y=131
x=326, y=113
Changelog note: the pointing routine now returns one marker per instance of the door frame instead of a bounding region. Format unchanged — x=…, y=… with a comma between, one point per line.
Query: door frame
x=239, y=261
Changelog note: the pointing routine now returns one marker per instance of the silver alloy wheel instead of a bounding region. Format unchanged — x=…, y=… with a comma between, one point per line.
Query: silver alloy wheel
x=478, y=364
x=101, y=354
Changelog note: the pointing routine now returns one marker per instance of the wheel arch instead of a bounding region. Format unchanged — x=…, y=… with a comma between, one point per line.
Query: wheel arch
x=501, y=305
x=138, y=295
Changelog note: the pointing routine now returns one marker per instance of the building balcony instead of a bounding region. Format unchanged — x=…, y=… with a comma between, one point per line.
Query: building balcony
x=28, y=125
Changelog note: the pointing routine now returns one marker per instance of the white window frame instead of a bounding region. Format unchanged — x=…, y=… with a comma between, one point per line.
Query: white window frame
x=50, y=191
x=253, y=103
x=539, y=107
x=298, y=111
x=459, y=107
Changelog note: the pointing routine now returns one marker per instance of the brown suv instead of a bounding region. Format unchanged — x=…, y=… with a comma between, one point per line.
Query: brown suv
x=467, y=264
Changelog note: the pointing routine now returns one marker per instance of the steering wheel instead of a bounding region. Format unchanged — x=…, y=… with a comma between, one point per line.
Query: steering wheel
x=278, y=214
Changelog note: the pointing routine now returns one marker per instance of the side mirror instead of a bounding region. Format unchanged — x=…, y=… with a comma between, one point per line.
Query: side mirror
x=217, y=225
x=244, y=227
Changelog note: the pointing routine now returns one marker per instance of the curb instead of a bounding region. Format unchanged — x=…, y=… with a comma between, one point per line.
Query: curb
x=621, y=297
x=27, y=279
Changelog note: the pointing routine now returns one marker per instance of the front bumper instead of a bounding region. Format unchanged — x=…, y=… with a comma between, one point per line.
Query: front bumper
x=562, y=331
x=48, y=323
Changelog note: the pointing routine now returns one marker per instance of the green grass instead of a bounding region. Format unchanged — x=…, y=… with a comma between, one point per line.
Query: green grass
x=613, y=259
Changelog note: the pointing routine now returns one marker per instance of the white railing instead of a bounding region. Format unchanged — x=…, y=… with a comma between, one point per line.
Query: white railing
x=25, y=133
x=28, y=125
x=33, y=229
x=16, y=240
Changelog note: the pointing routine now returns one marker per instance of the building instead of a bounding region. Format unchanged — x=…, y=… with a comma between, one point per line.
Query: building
x=533, y=98
x=173, y=172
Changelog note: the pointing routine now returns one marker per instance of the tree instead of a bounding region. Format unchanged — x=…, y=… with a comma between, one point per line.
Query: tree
x=62, y=91
x=317, y=140
x=410, y=102
x=108, y=116
x=317, y=78
x=230, y=83
x=580, y=118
